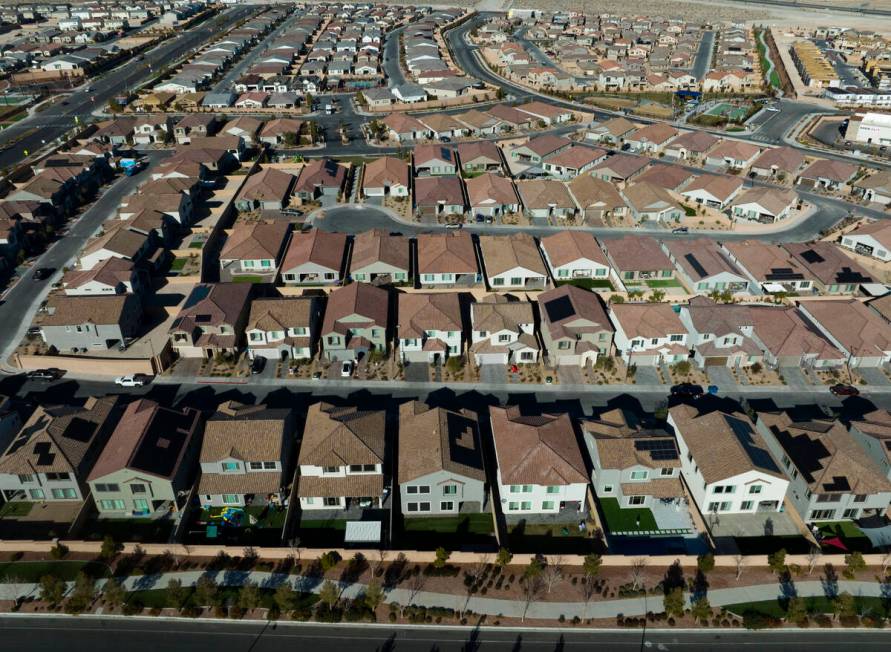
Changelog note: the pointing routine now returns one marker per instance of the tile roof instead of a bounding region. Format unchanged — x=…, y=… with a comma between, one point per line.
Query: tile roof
x=566, y=247
x=420, y=312
x=280, y=313
x=257, y=434
x=436, y=439
x=568, y=311
x=255, y=241
x=851, y=323
x=490, y=189
x=64, y=310
x=503, y=253
x=544, y=193
x=367, y=301
x=446, y=253
x=268, y=185
x=322, y=248
x=376, y=245
x=386, y=171
x=335, y=436
x=636, y=253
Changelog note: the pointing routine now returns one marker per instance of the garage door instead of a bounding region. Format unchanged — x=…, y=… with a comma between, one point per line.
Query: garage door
x=491, y=358
x=716, y=361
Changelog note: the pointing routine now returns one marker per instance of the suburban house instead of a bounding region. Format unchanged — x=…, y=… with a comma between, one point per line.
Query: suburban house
x=732, y=154
x=875, y=188
x=613, y=131
x=385, y=176
x=447, y=260
x=778, y=162
x=720, y=334
x=356, y=322
x=638, y=259
x=648, y=334
x=321, y=178
x=434, y=160
x=492, y=195
x=341, y=460
x=269, y=189
x=832, y=270
x=872, y=239
x=211, y=320
x=245, y=455
x=633, y=465
x=546, y=198
x=438, y=195
x=479, y=156
x=503, y=331
x=513, y=262
x=597, y=200
x=252, y=251
x=283, y=327
x=536, y=149
x=575, y=328
x=540, y=468
x=788, y=339
x=827, y=174
x=111, y=276
x=863, y=337
x=380, y=258
x=573, y=161
x=90, y=323
x=575, y=255
x=832, y=477
x=873, y=432
x=763, y=204
x=726, y=464
x=651, y=203
x=50, y=457
x=713, y=190
x=620, y=167
x=690, y=146
x=770, y=268
x=429, y=327
x=667, y=177
x=148, y=465
x=650, y=139
x=315, y=257
x=440, y=466
x=703, y=268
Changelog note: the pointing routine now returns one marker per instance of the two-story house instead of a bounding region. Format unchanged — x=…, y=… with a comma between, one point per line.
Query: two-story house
x=440, y=466
x=503, y=331
x=82, y=323
x=211, y=320
x=283, y=327
x=648, y=334
x=447, y=260
x=720, y=334
x=575, y=328
x=429, y=326
x=252, y=251
x=148, y=465
x=314, y=257
x=356, y=322
x=245, y=456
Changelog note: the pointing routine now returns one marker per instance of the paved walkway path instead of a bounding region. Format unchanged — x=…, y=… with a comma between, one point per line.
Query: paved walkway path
x=490, y=606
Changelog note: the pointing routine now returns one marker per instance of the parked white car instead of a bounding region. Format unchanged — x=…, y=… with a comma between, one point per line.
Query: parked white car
x=130, y=381
x=346, y=369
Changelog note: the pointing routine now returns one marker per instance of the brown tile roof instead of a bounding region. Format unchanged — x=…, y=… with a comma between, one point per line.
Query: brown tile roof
x=320, y=173
x=350, y=486
x=110, y=271
x=315, y=246
x=544, y=193
x=258, y=482
x=497, y=313
x=361, y=299
x=636, y=253
x=643, y=196
x=216, y=303
x=546, y=144
x=698, y=142
x=385, y=171
x=446, y=253
x=829, y=169
x=593, y=192
x=670, y=177
x=56, y=439
x=618, y=442
x=827, y=455
x=255, y=241
x=423, y=154
x=657, y=132
x=657, y=488
x=825, y=261
x=776, y=200
x=491, y=189
x=63, y=310
x=430, y=191
x=336, y=436
x=256, y=435
x=540, y=450
x=576, y=156
x=851, y=323
x=784, y=159
x=785, y=333
x=435, y=439
x=623, y=165
x=722, y=186
x=280, y=313
x=420, y=312
x=647, y=320
x=618, y=127
x=565, y=247
x=584, y=306
x=502, y=253
x=723, y=445
x=118, y=239
x=268, y=185
x=701, y=258
x=735, y=149
x=486, y=149
x=376, y=245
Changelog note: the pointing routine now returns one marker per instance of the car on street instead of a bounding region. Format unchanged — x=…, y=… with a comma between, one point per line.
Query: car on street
x=454, y=225
x=691, y=390
x=346, y=369
x=258, y=364
x=134, y=380
x=42, y=273
x=843, y=389
x=49, y=374
x=681, y=229
x=772, y=109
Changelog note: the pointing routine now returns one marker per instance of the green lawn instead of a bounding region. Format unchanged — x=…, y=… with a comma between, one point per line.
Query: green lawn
x=589, y=283
x=626, y=520
x=247, y=279
x=815, y=605
x=546, y=530
x=850, y=534
x=32, y=571
x=274, y=518
x=17, y=508
x=689, y=211
x=197, y=245
x=177, y=264
x=323, y=524
x=663, y=283
x=470, y=523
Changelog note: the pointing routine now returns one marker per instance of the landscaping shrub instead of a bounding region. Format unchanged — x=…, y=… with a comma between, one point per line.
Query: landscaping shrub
x=758, y=620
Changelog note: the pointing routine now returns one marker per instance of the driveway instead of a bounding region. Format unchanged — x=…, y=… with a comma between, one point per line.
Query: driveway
x=647, y=375
x=416, y=372
x=721, y=376
x=570, y=374
x=874, y=376
x=794, y=377
x=493, y=374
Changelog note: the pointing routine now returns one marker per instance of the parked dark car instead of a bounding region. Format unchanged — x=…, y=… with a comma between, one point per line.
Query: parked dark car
x=43, y=273
x=687, y=389
x=45, y=374
x=258, y=364
x=842, y=389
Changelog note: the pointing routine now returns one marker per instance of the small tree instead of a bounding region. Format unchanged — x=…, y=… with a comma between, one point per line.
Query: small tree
x=700, y=609
x=114, y=593
x=503, y=558
x=177, y=594
x=796, y=610
x=52, y=589
x=553, y=572
x=442, y=557
x=776, y=561
x=329, y=560
x=843, y=605
x=249, y=596
x=374, y=595
x=110, y=548
x=813, y=558
x=82, y=595
x=854, y=563
x=532, y=586
x=706, y=562
x=673, y=602
x=329, y=594
x=534, y=569
x=284, y=597
x=637, y=568
x=292, y=139
x=657, y=295
x=591, y=565
x=206, y=591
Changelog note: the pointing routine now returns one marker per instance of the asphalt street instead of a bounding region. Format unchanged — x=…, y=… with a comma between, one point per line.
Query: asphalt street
x=703, y=60
x=390, y=63
x=23, y=297
x=27, y=634
x=43, y=127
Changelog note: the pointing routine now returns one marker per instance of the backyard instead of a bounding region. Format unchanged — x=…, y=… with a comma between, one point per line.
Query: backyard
x=255, y=516
x=589, y=283
x=851, y=535
x=629, y=519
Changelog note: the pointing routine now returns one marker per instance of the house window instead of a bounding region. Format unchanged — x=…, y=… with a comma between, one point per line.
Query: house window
x=256, y=466
x=860, y=498
x=851, y=513
x=713, y=507
x=639, y=475
x=57, y=476
x=117, y=505
x=36, y=494
x=553, y=489
x=504, y=337
x=450, y=490
x=726, y=505
x=497, y=281
x=828, y=498
x=423, y=507
x=231, y=466
x=333, y=340
x=26, y=477
x=446, y=506
x=269, y=465
x=562, y=272
x=564, y=344
x=308, y=501
x=755, y=489
x=547, y=505
x=666, y=471
x=137, y=488
x=526, y=505
x=822, y=515
x=516, y=280
x=513, y=506
x=230, y=499
x=140, y=505
x=636, y=500
x=332, y=501
x=526, y=356
x=786, y=461
x=330, y=469
x=746, y=505
x=675, y=338
x=107, y=488
x=418, y=489
x=607, y=489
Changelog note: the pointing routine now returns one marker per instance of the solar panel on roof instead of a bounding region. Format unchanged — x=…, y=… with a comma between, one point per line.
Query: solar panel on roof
x=42, y=450
x=659, y=449
x=848, y=275
x=559, y=309
x=812, y=256
x=696, y=265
